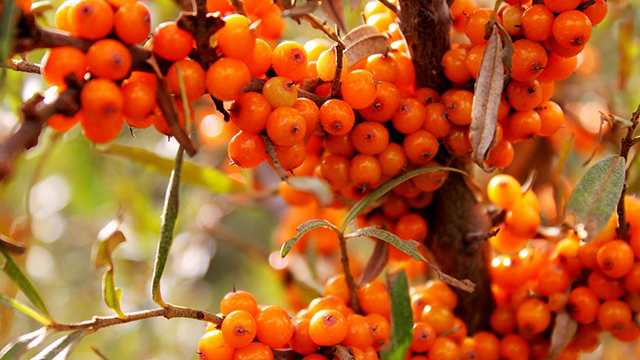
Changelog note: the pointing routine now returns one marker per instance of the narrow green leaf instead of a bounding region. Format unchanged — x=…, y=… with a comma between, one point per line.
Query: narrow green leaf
x=304, y=228
x=62, y=348
x=13, y=303
x=315, y=186
x=401, y=318
x=363, y=204
x=109, y=239
x=596, y=196
x=211, y=179
x=24, y=284
x=169, y=218
x=17, y=347
x=410, y=247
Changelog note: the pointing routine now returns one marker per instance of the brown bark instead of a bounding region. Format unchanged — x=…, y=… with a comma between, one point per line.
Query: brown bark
x=455, y=213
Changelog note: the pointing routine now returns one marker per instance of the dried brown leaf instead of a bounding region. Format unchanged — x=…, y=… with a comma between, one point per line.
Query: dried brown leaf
x=335, y=13
x=377, y=262
x=364, y=41
x=486, y=101
x=299, y=11
x=564, y=330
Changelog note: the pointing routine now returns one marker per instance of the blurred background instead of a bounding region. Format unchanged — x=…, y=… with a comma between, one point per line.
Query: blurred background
x=65, y=190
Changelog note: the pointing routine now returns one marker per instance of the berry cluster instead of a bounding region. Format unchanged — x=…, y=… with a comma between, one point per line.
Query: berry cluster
x=597, y=283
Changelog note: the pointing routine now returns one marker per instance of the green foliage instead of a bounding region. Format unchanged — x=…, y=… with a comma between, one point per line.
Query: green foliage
x=401, y=318
x=108, y=241
x=17, y=347
x=303, y=229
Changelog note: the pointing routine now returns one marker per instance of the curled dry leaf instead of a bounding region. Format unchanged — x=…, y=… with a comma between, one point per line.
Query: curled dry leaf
x=12, y=246
x=377, y=262
x=364, y=41
x=342, y=352
x=486, y=101
x=297, y=12
x=335, y=13
x=564, y=330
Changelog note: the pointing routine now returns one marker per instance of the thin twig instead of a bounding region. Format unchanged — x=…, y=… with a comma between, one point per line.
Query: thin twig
x=168, y=312
x=271, y=152
x=389, y=5
x=481, y=236
x=23, y=66
x=585, y=5
x=351, y=282
x=626, y=145
x=335, y=84
x=98, y=353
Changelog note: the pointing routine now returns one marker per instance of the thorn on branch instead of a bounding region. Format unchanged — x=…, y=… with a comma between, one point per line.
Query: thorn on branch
x=481, y=236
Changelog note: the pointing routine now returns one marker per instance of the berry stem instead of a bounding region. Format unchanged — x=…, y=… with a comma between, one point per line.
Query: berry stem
x=23, y=66
x=336, y=83
x=351, y=283
x=271, y=151
x=626, y=144
x=168, y=312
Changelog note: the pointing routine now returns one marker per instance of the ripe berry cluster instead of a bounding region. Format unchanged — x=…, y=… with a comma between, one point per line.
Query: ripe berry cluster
x=597, y=283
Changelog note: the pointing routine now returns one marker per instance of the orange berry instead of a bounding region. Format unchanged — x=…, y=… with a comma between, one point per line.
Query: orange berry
x=261, y=61
x=62, y=11
x=301, y=342
x=374, y=298
x=503, y=320
x=383, y=67
x=247, y=150
x=454, y=63
x=335, y=170
x=274, y=327
x=238, y=300
x=504, y=191
x=336, y=117
x=583, y=305
x=514, y=347
x=529, y=60
x=537, y=22
x=501, y=156
x=392, y=160
x=227, y=78
x=250, y=112
x=328, y=328
x=326, y=65
x=239, y=328
x=253, y=351
x=360, y=334
x=310, y=112
x=487, y=346
x=572, y=29
x=476, y=24
x=606, y=288
x=424, y=335
x=381, y=329
x=524, y=96
x=596, y=12
x=286, y=127
x=384, y=105
x=524, y=124
x=290, y=60
x=459, y=106
x=359, y=89
x=365, y=170
x=370, y=138
x=420, y=147
x=551, y=118
x=533, y=316
x=62, y=123
x=444, y=349
x=512, y=20
x=139, y=100
x=457, y=141
x=132, y=23
x=60, y=62
x=437, y=120
x=171, y=42
x=409, y=117
x=235, y=39
x=552, y=279
x=280, y=92
x=615, y=258
x=213, y=347
x=102, y=99
x=193, y=76
x=614, y=315
x=90, y=19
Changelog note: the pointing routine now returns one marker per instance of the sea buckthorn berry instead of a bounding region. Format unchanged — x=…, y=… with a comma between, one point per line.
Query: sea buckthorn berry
x=239, y=328
x=514, y=347
x=426, y=96
x=394, y=206
x=360, y=334
x=424, y=335
x=236, y=39
x=381, y=21
x=337, y=286
x=524, y=96
x=384, y=105
x=512, y=19
x=409, y=117
x=101, y=98
x=606, y=288
x=628, y=334
x=238, y=300
x=537, y=22
x=501, y=156
x=315, y=357
x=261, y=61
x=253, y=351
x=632, y=279
x=440, y=317
x=411, y=227
x=274, y=327
x=473, y=62
x=60, y=62
x=310, y=112
x=583, y=305
x=504, y=191
x=551, y=118
x=615, y=258
x=614, y=315
x=503, y=320
x=339, y=144
x=60, y=20
x=272, y=24
x=328, y=328
x=529, y=60
x=359, y=89
x=459, y=106
x=436, y=120
x=365, y=170
x=247, y=150
x=132, y=23
x=560, y=6
x=454, y=63
x=280, y=92
x=487, y=346
x=326, y=65
x=328, y=303
x=100, y=130
x=558, y=68
x=534, y=316
x=335, y=169
x=160, y=122
x=596, y=12
x=444, y=349
x=552, y=279
x=139, y=100
x=90, y=19
x=291, y=157
x=61, y=123
x=286, y=126
x=506, y=241
x=433, y=180
x=392, y=160
x=315, y=47
x=374, y=299
x=109, y=59
x=458, y=141
x=420, y=147
x=523, y=220
x=336, y=117
x=172, y=43
x=370, y=138
x=301, y=342
x=381, y=329
x=227, y=78
x=406, y=70
x=250, y=112
x=193, y=76
x=290, y=60
x=383, y=67
x=476, y=24
x=212, y=346
x=524, y=124
x=572, y=29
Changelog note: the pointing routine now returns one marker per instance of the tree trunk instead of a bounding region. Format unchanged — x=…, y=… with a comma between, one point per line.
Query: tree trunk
x=455, y=213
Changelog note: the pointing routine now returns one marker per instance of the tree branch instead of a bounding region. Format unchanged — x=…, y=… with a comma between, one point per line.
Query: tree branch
x=626, y=144
x=351, y=283
x=168, y=312
x=23, y=66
